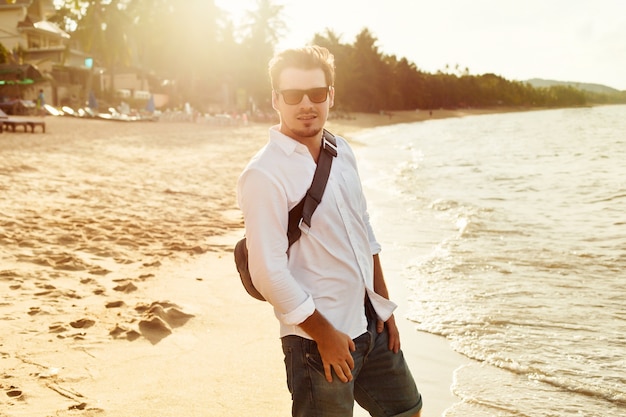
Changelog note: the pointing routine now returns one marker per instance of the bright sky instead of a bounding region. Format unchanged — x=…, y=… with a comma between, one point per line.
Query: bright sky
x=565, y=40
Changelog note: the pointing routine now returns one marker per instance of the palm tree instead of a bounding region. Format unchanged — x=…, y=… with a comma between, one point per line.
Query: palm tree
x=261, y=34
x=102, y=31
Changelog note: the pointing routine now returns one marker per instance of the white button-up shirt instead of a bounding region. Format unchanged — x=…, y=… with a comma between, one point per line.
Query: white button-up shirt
x=330, y=268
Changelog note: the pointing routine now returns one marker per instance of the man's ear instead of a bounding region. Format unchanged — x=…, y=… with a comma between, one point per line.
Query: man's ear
x=275, y=100
x=331, y=97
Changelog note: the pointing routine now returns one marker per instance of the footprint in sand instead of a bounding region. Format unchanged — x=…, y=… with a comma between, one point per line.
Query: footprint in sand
x=126, y=288
x=158, y=320
x=82, y=323
x=161, y=318
x=172, y=315
x=120, y=331
x=144, y=277
x=57, y=328
x=34, y=310
x=117, y=331
x=154, y=329
x=115, y=304
x=13, y=392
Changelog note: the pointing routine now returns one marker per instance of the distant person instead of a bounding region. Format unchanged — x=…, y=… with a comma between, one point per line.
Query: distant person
x=41, y=102
x=338, y=332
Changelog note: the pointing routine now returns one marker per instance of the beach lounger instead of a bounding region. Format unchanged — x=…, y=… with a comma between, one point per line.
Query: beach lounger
x=12, y=122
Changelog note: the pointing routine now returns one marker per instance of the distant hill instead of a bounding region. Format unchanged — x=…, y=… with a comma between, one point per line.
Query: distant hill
x=593, y=88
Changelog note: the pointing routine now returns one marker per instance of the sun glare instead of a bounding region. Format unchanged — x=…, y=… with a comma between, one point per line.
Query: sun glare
x=236, y=9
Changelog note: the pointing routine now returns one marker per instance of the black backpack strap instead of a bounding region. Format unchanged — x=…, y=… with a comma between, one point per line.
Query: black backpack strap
x=304, y=209
x=293, y=230
x=320, y=178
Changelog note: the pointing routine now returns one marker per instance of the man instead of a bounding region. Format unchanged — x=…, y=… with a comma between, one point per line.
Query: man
x=41, y=102
x=339, y=336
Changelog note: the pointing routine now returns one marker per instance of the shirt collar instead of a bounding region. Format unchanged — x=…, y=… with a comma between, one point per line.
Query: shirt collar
x=284, y=142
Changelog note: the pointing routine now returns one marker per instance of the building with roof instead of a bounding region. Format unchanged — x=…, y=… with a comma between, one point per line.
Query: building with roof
x=41, y=55
x=30, y=39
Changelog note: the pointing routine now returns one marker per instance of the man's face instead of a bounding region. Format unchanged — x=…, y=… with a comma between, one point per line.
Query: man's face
x=303, y=120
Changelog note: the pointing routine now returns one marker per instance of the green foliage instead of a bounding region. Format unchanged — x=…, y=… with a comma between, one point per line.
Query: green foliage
x=207, y=61
x=370, y=81
x=5, y=55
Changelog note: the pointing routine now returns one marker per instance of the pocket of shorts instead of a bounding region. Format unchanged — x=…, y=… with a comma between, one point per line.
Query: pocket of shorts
x=288, y=351
x=314, y=361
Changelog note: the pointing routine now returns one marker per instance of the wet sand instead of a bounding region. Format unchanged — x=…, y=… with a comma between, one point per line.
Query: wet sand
x=120, y=296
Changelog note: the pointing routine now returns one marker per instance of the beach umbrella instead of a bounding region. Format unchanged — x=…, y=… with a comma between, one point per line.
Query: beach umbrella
x=19, y=74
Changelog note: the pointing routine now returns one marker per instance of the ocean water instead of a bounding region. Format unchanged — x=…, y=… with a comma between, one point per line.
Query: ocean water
x=509, y=231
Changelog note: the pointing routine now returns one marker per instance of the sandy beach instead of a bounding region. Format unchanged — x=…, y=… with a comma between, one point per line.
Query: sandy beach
x=120, y=295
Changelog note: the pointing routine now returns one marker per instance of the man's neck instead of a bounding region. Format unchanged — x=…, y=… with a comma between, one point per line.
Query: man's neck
x=313, y=143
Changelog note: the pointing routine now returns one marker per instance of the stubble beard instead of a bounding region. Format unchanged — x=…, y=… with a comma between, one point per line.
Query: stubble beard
x=306, y=133
x=307, y=130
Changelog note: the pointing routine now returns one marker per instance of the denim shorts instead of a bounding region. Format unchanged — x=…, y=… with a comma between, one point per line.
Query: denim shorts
x=382, y=383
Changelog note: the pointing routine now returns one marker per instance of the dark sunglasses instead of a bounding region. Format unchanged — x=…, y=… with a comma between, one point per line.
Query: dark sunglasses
x=316, y=95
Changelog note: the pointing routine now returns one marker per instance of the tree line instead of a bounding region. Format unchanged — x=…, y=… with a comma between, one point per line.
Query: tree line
x=371, y=81
x=193, y=51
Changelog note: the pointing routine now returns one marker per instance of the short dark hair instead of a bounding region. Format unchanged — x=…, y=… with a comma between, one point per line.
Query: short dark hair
x=308, y=57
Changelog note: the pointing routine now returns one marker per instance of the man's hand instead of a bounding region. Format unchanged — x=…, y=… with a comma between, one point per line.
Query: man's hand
x=335, y=350
x=333, y=345
x=393, y=333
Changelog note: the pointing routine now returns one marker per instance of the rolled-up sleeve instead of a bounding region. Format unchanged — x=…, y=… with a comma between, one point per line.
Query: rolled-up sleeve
x=265, y=209
x=301, y=313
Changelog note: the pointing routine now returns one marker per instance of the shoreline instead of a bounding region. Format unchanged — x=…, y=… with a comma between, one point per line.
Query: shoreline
x=122, y=295
x=363, y=121
x=431, y=357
